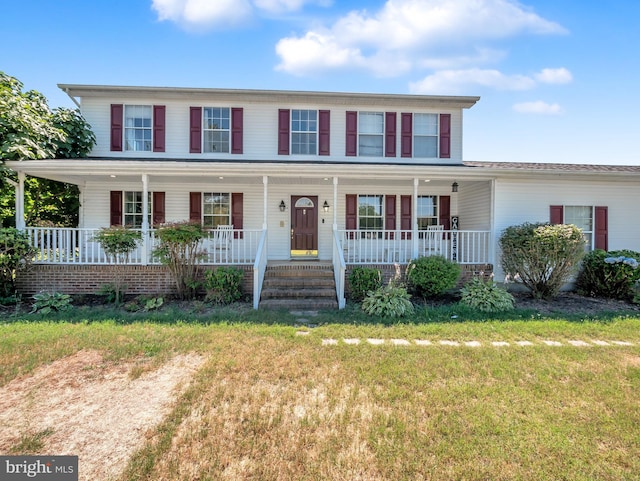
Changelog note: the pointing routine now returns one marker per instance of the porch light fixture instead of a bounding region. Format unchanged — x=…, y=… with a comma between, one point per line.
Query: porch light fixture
x=325, y=206
x=282, y=206
x=454, y=187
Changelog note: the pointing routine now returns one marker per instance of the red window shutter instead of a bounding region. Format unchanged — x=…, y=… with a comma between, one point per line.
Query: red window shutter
x=117, y=114
x=159, y=117
x=602, y=228
x=352, y=134
x=116, y=207
x=236, y=130
x=324, y=128
x=445, y=136
x=237, y=213
x=445, y=212
x=351, y=210
x=157, y=216
x=406, y=201
x=406, y=135
x=195, y=130
x=283, y=131
x=556, y=214
x=390, y=134
x=195, y=207
x=390, y=214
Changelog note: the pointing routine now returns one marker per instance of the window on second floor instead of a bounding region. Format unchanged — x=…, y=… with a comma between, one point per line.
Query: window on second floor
x=215, y=129
x=370, y=134
x=138, y=128
x=304, y=132
x=425, y=135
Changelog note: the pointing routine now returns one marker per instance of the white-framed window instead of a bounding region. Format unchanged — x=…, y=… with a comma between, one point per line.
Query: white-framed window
x=582, y=217
x=370, y=212
x=216, y=209
x=425, y=135
x=132, y=209
x=427, y=212
x=138, y=128
x=216, y=129
x=370, y=134
x=304, y=132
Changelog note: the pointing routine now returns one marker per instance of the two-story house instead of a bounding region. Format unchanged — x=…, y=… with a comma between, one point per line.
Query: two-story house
x=304, y=179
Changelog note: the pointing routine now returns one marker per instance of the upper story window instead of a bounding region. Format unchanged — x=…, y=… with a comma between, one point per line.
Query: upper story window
x=216, y=209
x=304, y=132
x=216, y=129
x=371, y=134
x=137, y=128
x=425, y=135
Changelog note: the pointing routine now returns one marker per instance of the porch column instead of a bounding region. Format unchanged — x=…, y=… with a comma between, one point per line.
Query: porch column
x=414, y=219
x=335, y=203
x=145, y=219
x=265, y=190
x=20, y=220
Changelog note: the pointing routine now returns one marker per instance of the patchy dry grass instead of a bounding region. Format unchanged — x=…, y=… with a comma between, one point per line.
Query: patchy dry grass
x=270, y=405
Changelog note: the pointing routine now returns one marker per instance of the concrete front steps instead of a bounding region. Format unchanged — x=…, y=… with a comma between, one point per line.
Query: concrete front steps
x=302, y=285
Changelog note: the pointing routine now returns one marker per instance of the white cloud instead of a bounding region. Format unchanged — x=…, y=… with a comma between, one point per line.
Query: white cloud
x=457, y=81
x=417, y=32
x=279, y=6
x=554, y=76
x=203, y=14
x=538, y=107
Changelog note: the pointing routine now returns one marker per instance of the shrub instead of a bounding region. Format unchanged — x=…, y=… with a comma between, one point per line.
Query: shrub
x=362, y=280
x=486, y=296
x=46, y=302
x=432, y=276
x=118, y=243
x=388, y=301
x=541, y=256
x=15, y=255
x=224, y=284
x=178, y=250
x=609, y=274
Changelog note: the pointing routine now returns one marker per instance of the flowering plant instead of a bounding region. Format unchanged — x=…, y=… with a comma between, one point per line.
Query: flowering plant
x=609, y=274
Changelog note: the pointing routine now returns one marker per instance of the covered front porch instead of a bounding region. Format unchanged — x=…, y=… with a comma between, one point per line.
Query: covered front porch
x=275, y=197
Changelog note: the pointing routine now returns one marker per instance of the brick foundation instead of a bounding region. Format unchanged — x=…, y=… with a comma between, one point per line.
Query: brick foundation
x=87, y=279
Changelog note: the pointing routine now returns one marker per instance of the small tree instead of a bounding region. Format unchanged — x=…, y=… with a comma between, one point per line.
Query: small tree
x=432, y=276
x=179, y=251
x=15, y=254
x=541, y=256
x=118, y=243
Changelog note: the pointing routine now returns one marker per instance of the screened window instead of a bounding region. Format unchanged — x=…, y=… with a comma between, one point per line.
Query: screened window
x=133, y=213
x=370, y=212
x=216, y=209
x=370, y=134
x=304, y=132
x=215, y=129
x=582, y=217
x=137, y=128
x=425, y=135
x=427, y=213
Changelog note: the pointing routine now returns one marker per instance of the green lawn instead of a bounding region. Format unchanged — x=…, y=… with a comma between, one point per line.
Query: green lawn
x=271, y=404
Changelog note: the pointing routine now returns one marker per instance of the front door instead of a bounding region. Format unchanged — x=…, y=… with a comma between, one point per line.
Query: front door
x=304, y=226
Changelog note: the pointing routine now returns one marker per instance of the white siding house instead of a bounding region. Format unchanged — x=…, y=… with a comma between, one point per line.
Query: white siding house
x=344, y=178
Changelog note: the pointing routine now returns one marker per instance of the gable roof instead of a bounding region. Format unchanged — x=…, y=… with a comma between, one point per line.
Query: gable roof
x=555, y=168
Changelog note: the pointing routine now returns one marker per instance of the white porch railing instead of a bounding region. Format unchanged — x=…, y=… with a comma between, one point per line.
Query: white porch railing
x=62, y=245
x=339, y=269
x=400, y=246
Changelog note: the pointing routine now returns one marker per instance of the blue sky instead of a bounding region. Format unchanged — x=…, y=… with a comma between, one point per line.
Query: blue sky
x=558, y=80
